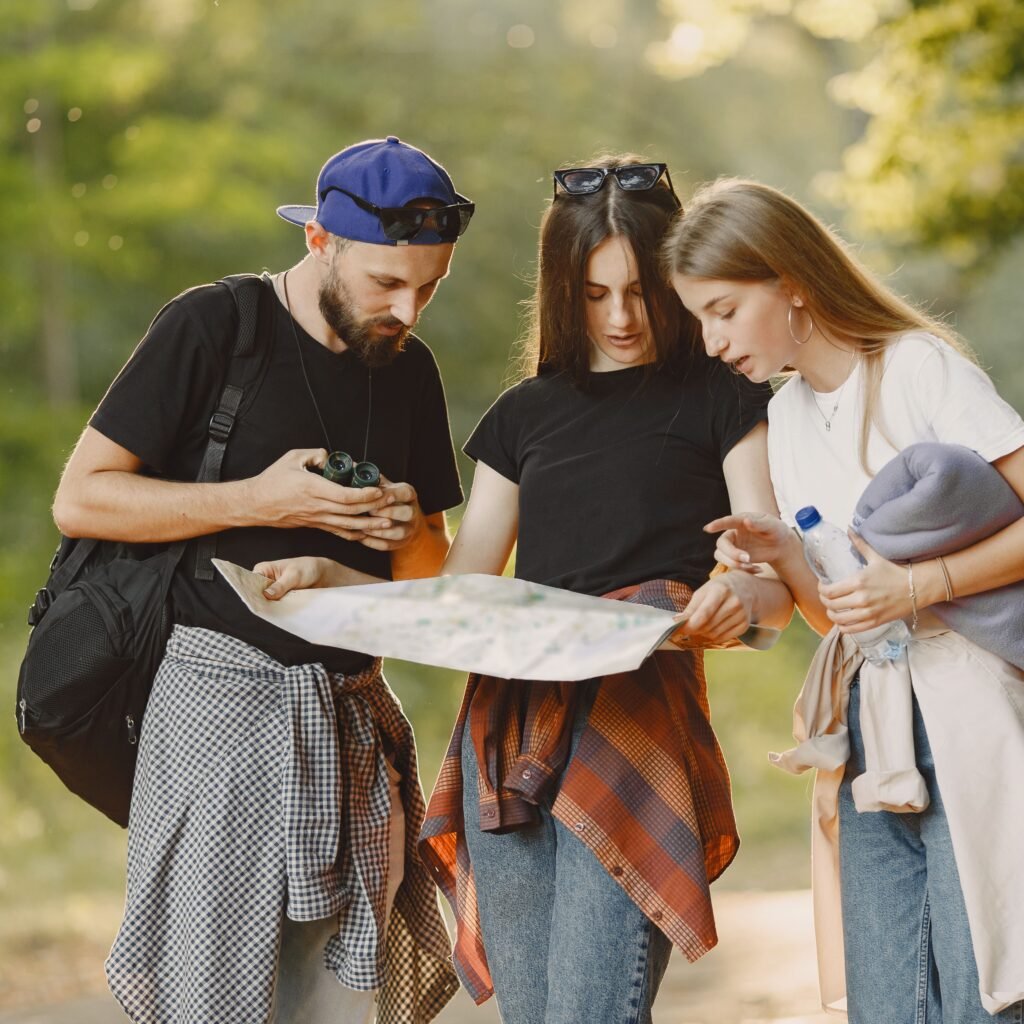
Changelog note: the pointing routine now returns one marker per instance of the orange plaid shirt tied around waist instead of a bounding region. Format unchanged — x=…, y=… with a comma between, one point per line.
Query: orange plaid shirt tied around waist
x=647, y=789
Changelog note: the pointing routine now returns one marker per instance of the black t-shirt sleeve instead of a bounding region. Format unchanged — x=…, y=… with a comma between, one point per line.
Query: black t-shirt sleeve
x=433, y=470
x=737, y=406
x=495, y=439
x=164, y=389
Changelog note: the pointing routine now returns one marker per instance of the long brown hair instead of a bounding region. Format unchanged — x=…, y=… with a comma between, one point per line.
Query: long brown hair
x=736, y=230
x=571, y=228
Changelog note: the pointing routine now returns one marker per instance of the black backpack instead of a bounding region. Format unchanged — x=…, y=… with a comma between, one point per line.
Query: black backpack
x=100, y=625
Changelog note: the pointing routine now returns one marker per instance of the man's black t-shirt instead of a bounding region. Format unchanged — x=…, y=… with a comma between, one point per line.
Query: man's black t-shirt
x=616, y=481
x=160, y=405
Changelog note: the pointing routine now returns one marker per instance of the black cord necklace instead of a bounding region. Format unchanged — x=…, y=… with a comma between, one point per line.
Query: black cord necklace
x=309, y=387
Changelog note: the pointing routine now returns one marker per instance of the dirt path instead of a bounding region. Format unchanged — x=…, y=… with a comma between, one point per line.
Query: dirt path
x=763, y=972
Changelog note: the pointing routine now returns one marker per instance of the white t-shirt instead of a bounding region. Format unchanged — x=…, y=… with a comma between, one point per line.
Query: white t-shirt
x=929, y=392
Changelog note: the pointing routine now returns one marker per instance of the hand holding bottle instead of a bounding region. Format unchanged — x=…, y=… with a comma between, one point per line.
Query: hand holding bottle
x=850, y=586
x=878, y=594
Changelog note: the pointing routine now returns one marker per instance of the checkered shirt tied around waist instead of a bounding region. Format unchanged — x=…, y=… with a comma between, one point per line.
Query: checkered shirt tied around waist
x=263, y=789
x=647, y=789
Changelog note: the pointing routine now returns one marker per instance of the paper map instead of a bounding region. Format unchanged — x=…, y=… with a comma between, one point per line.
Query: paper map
x=489, y=624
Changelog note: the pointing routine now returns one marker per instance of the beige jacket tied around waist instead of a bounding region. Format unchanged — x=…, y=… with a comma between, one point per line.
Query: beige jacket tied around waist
x=972, y=703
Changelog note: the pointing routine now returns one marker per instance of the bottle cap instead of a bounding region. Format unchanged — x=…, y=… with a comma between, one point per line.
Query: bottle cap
x=807, y=517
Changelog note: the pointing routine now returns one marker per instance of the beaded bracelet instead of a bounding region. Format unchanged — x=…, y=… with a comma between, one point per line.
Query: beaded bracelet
x=913, y=595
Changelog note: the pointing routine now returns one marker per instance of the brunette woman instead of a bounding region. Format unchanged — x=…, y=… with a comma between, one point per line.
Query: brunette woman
x=575, y=828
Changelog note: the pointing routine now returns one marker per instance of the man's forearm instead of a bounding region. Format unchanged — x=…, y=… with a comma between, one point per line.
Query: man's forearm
x=117, y=505
x=424, y=555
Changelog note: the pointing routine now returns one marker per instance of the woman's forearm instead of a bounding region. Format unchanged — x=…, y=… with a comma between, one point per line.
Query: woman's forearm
x=993, y=562
x=768, y=599
x=792, y=568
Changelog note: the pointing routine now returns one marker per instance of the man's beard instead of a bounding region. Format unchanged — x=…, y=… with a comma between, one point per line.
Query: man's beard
x=370, y=348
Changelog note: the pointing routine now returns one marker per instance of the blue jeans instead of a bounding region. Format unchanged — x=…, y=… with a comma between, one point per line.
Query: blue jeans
x=909, y=958
x=564, y=942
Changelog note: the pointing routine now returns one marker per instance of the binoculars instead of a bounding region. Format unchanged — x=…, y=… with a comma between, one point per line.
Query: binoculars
x=340, y=469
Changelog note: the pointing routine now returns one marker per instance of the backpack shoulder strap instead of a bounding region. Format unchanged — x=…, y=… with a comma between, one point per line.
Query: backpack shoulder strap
x=67, y=563
x=245, y=370
x=65, y=572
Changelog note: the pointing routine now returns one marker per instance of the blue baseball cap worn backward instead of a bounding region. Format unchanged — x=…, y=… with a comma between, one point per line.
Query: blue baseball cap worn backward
x=385, y=172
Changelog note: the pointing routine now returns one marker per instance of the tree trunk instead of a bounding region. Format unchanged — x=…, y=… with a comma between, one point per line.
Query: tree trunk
x=60, y=360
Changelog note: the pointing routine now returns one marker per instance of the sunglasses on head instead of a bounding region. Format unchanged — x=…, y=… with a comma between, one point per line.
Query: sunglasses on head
x=403, y=223
x=584, y=181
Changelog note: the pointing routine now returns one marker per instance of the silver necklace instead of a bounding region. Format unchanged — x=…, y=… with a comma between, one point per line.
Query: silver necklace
x=309, y=387
x=828, y=419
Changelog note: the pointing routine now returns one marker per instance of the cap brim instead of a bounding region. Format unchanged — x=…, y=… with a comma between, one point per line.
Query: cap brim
x=297, y=214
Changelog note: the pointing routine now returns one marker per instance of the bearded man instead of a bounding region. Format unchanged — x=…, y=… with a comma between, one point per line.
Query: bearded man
x=272, y=872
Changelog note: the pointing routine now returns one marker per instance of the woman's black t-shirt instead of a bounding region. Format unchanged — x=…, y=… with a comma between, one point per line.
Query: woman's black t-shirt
x=160, y=404
x=617, y=480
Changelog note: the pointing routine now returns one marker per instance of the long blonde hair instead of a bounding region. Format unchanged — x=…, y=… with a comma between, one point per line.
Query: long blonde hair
x=738, y=230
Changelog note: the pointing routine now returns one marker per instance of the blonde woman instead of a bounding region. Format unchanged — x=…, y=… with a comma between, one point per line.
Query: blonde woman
x=926, y=898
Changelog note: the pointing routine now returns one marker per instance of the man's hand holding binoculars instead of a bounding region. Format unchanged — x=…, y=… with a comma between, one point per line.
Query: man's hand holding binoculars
x=309, y=487
x=404, y=515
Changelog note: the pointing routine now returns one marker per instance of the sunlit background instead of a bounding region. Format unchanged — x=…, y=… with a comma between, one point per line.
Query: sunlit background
x=146, y=144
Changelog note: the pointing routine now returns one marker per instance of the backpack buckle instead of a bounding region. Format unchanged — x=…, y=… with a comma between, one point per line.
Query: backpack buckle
x=39, y=606
x=220, y=426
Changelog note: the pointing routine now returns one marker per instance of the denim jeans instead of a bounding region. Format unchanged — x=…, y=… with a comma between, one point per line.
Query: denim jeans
x=909, y=958
x=564, y=942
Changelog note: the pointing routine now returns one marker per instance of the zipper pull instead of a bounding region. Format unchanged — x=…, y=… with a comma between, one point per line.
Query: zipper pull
x=133, y=737
x=22, y=707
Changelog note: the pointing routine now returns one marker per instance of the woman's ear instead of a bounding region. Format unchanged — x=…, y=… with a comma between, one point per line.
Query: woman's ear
x=793, y=294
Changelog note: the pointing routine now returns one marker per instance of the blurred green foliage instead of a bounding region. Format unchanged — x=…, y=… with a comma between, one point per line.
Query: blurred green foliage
x=940, y=161
x=147, y=143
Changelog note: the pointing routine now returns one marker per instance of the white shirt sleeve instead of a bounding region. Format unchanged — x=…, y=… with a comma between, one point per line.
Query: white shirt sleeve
x=929, y=392
x=960, y=403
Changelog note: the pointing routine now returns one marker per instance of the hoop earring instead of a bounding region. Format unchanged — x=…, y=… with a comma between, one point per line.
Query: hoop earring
x=789, y=323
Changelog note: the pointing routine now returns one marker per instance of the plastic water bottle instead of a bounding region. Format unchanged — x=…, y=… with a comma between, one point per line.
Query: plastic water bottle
x=833, y=558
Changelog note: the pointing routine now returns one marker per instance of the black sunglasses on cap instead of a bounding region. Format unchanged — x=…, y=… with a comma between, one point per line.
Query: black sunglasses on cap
x=402, y=223
x=584, y=181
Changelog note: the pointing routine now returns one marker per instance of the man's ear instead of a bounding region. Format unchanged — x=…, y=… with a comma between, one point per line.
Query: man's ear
x=318, y=241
